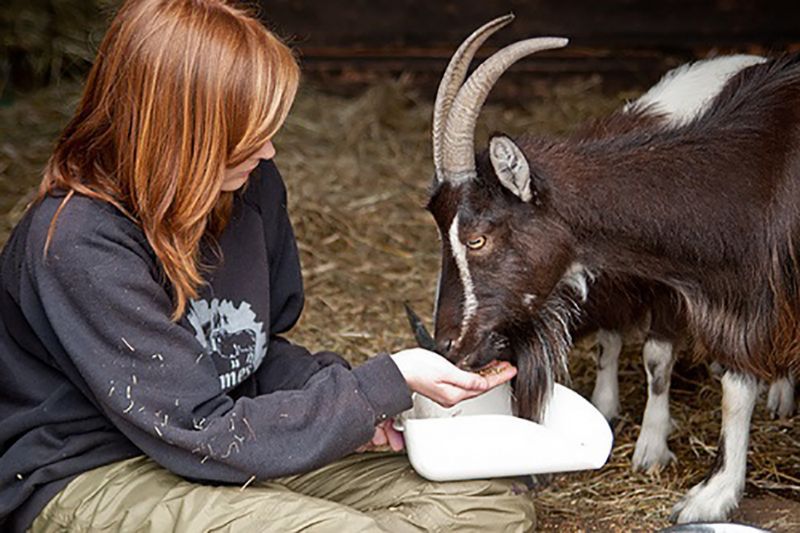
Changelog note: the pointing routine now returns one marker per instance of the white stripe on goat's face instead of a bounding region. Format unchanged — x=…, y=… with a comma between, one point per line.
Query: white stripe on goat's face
x=460, y=256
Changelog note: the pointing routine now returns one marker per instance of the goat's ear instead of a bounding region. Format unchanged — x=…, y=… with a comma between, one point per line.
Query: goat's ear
x=511, y=167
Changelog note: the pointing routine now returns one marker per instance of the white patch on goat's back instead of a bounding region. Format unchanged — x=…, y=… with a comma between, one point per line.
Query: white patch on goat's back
x=686, y=92
x=460, y=255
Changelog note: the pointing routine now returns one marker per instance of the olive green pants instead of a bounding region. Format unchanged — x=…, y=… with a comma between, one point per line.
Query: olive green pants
x=363, y=492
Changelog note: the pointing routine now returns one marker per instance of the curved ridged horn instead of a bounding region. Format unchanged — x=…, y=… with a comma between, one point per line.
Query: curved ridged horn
x=452, y=79
x=459, y=135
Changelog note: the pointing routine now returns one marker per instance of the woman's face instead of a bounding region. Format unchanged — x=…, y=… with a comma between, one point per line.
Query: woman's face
x=237, y=176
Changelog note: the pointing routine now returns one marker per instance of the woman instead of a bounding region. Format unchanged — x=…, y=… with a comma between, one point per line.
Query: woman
x=144, y=382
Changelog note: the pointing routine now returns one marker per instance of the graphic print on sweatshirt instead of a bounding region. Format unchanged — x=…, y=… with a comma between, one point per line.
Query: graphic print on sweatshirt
x=231, y=336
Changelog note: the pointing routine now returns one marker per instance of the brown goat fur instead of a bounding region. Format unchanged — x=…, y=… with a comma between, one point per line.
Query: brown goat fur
x=708, y=209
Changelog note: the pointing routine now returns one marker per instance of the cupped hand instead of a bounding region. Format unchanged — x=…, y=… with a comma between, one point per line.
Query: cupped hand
x=386, y=438
x=433, y=376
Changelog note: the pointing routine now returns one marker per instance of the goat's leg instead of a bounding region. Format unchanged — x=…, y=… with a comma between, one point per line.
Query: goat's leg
x=652, y=452
x=717, y=495
x=606, y=388
x=780, y=400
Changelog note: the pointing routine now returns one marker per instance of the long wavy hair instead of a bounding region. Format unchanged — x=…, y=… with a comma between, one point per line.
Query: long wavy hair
x=180, y=91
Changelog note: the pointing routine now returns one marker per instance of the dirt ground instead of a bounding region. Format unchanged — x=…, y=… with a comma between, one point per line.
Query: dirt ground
x=358, y=171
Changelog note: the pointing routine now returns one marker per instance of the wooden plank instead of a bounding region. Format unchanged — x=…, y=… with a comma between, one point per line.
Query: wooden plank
x=628, y=42
x=672, y=24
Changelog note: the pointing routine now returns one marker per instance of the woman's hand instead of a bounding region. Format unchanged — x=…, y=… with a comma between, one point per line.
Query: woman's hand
x=435, y=377
x=385, y=438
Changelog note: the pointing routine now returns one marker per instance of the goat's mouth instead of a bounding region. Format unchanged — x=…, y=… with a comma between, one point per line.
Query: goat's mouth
x=493, y=346
x=490, y=347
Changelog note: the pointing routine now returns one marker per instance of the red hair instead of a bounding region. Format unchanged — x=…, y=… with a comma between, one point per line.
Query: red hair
x=180, y=90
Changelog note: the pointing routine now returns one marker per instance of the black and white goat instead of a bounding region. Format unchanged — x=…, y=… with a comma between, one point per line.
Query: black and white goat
x=615, y=305
x=706, y=206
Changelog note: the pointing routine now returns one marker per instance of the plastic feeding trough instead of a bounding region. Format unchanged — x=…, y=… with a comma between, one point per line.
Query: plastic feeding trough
x=480, y=438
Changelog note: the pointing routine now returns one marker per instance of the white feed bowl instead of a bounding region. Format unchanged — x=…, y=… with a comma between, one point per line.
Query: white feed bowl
x=480, y=438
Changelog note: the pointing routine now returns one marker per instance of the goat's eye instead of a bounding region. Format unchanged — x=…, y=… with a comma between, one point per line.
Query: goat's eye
x=477, y=243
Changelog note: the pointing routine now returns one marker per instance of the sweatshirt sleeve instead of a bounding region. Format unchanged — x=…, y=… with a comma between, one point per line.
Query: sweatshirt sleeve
x=289, y=366
x=108, y=326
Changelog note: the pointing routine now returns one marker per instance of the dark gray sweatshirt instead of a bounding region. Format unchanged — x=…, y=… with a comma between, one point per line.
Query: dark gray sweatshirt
x=92, y=369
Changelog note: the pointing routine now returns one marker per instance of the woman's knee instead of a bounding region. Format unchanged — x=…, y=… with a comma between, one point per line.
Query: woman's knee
x=481, y=505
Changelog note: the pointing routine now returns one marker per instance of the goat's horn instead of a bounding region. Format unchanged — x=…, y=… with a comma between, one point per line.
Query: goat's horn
x=452, y=79
x=459, y=135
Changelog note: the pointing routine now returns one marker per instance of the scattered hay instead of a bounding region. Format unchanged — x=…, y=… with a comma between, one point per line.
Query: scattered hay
x=358, y=172
x=616, y=498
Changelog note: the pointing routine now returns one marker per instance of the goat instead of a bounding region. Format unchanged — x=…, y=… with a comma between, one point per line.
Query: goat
x=615, y=305
x=705, y=207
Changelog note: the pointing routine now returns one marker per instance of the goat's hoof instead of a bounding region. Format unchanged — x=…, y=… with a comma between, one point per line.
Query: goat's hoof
x=651, y=453
x=705, y=503
x=652, y=461
x=780, y=400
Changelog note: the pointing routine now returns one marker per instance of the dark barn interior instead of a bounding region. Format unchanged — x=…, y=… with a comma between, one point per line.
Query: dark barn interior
x=355, y=152
x=629, y=42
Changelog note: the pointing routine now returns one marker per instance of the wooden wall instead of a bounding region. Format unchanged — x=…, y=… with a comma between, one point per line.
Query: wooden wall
x=628, y=40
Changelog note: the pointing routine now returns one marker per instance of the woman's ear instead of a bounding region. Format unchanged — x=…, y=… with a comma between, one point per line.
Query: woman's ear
x=511, y=167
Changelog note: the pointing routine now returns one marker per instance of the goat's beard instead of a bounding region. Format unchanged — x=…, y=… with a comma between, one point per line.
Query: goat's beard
x=541, y=348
